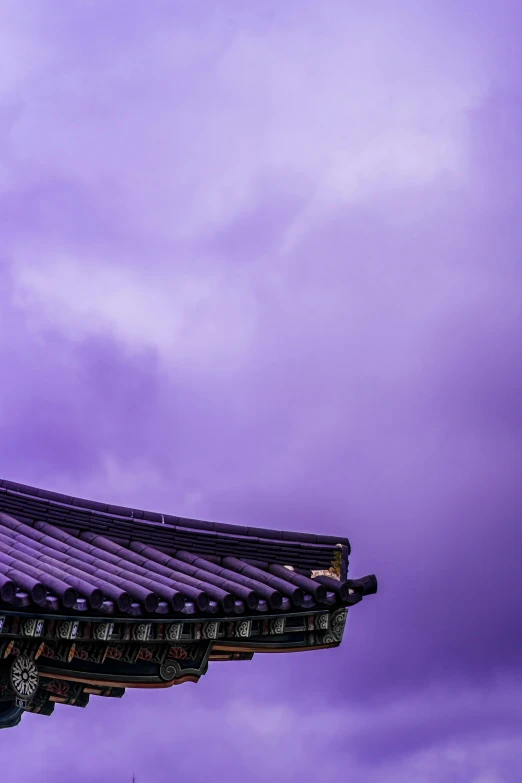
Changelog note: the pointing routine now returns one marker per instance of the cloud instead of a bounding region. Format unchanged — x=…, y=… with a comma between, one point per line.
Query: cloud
x=187, y=319
x=264, y=267
x=160, y=734
x=352, y=116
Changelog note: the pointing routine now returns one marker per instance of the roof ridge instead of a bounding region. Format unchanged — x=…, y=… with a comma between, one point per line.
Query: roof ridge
x=105, y=510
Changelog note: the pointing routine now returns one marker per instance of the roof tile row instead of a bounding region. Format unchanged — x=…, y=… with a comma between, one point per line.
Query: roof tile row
x=58, y=552
x=86, y=507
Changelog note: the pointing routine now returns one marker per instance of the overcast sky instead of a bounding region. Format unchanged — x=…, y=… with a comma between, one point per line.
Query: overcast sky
x=260, y=263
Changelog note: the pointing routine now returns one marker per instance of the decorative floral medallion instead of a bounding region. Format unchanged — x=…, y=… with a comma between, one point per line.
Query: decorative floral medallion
x=24, y=677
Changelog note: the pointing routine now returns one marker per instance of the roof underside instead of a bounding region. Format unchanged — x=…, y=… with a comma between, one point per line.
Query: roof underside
x=62, y=553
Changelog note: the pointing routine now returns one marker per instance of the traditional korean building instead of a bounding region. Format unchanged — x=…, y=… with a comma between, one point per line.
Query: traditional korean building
x=96, y=598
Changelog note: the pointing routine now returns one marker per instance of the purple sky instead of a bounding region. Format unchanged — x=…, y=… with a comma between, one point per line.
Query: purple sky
x=261, y=263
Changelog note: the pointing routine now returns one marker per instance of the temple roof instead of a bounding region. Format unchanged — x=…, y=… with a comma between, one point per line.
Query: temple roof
x=59, y=552
x=96, y=598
